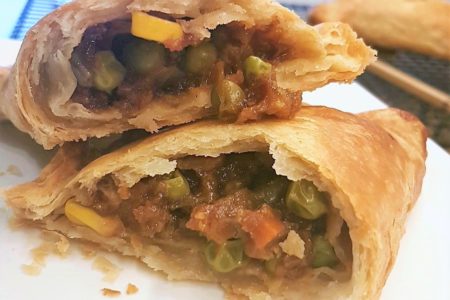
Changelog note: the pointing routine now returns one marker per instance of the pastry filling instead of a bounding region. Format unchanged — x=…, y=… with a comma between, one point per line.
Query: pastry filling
x=231, y=215
x=128, y=63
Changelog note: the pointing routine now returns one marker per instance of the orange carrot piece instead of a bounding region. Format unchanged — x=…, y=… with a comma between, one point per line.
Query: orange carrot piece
x=263, y=226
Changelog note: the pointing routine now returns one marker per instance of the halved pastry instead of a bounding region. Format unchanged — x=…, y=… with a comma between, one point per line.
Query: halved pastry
x=92, y=68
x=4, y=72
x=312, y=207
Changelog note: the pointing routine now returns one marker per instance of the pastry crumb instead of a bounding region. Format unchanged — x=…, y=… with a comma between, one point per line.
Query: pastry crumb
x=32, y=269
x=110, y=271
x=132, y=289
x=40, y=253
x=293, y=245
x=110, y=293
x=53, y=243
x=14, y=170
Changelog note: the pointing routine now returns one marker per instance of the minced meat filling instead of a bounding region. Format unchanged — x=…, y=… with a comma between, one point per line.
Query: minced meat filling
x=114, y=68
x=234, y=204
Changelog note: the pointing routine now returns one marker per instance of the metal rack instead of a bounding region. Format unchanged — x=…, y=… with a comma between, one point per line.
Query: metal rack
x=32, y=12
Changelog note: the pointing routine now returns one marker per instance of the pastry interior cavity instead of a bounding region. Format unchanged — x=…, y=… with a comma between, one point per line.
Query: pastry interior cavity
x=174, y=74
x=208, y=204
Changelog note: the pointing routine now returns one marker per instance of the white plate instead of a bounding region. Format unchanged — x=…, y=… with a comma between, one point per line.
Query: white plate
x=422, y=270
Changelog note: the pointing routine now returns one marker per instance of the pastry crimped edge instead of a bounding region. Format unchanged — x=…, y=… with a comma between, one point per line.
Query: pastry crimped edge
x=371, y=164
x=330, y=52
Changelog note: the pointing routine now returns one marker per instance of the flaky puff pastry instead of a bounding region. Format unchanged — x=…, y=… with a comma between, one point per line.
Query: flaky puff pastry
x=419, y=26
x=3, y=76
x=371, y=164
x=36, y=95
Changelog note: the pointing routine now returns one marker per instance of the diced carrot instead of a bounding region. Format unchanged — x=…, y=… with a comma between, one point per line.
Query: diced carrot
x=263, y=226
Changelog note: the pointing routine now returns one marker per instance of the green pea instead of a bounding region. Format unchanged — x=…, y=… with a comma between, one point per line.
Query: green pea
x=177, y=187
x=200, y=58
x=255, y=67
x=304, y=200
x=143, y=56
x=108, y=73
x=226, y=257
x=228, y=98
x=272, y=191
x=271, y=265
x=323, y=253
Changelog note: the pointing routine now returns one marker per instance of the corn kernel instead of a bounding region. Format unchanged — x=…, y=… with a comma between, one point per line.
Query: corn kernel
x=84, y=216
x=152, y=28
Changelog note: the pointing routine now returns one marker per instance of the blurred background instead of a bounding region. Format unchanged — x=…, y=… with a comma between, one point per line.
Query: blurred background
x=19, y=15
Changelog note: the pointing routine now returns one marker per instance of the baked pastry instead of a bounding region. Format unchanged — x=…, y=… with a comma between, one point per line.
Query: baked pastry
x=418, y=26
x=92, y=68
x=308, y=208
x=3, y=75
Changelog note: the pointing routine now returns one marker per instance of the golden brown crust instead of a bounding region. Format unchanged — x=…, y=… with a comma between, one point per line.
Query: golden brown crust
x=66, y=163
x=36, y=95
x=3, y=75
x=4, y=72
x=372, y=165
x=418, y=26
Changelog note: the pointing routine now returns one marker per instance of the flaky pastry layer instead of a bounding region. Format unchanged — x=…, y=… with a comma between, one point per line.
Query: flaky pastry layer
x=371, y=164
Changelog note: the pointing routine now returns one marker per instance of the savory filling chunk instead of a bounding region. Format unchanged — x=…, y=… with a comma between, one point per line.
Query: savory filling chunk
x=128, y=63
x=233, y=213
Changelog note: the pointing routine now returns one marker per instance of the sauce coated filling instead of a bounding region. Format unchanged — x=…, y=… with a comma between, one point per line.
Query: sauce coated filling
x=234, y=212
x=114, y=68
